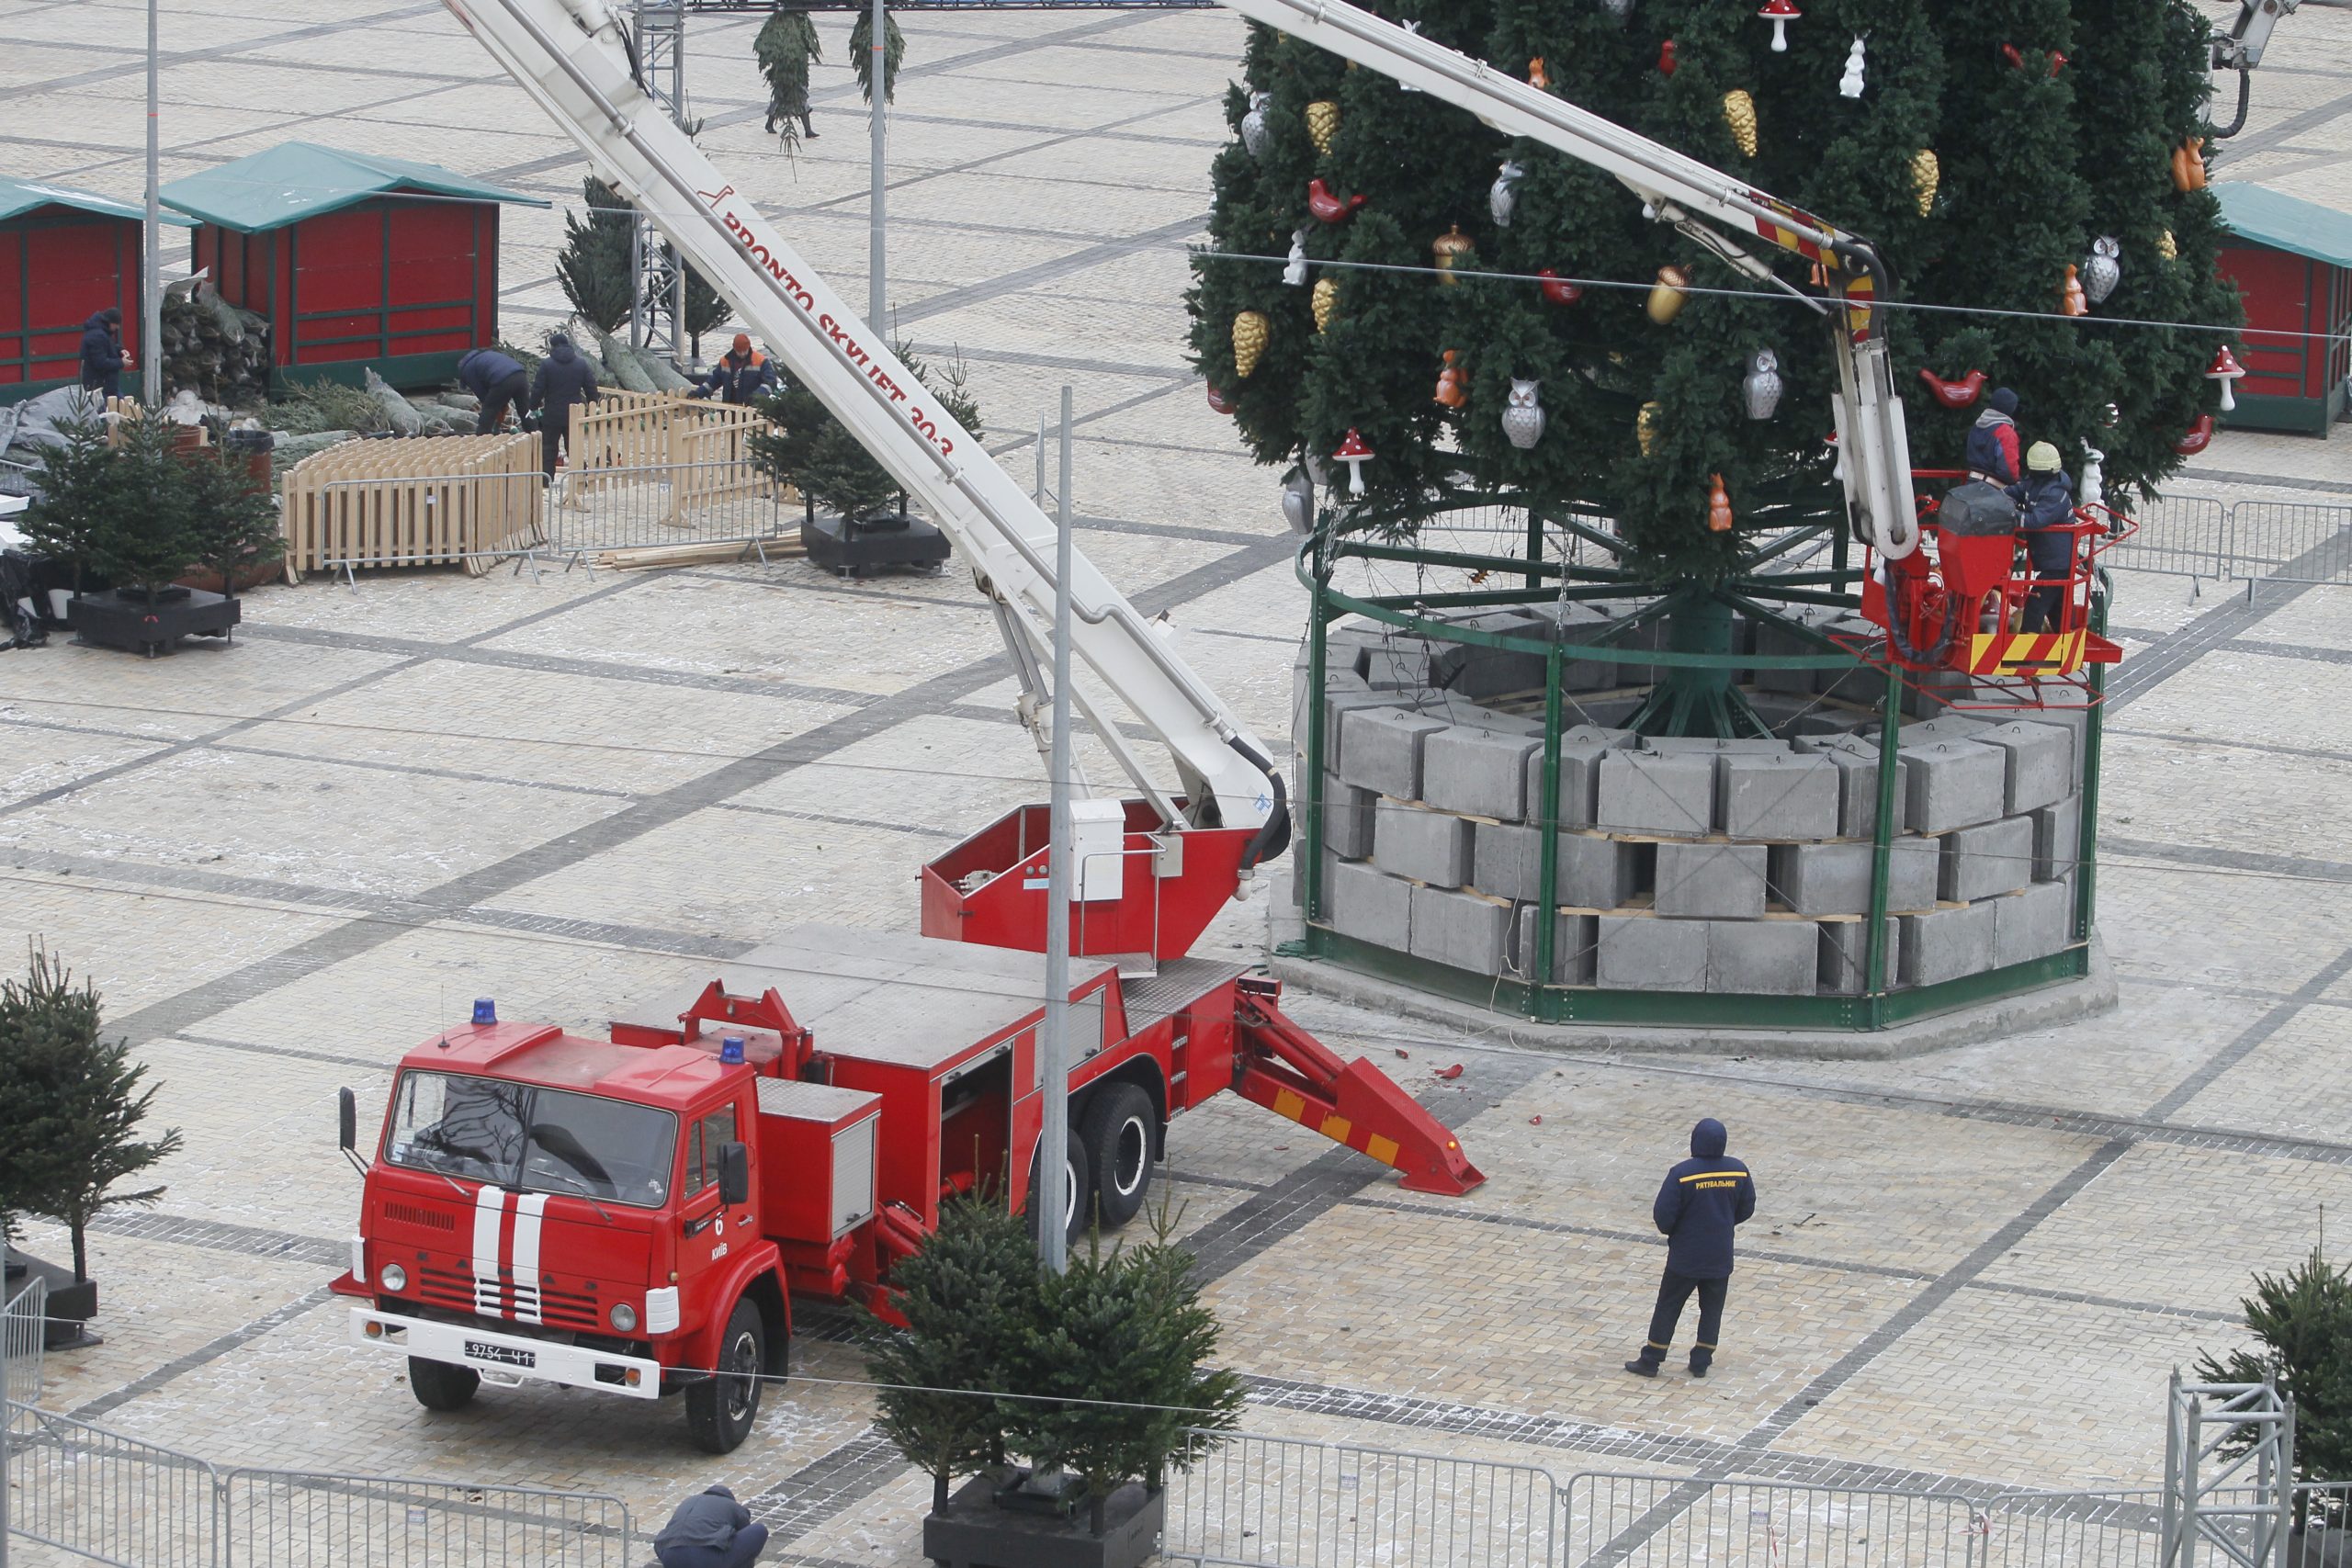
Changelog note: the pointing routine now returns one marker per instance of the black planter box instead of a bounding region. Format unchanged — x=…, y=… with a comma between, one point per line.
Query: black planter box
x=974, y=1532
x=71, y=1305
x=124, y=618
x=852, y=549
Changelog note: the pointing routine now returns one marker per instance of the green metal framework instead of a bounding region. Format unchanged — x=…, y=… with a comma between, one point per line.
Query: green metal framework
x=1696, y=694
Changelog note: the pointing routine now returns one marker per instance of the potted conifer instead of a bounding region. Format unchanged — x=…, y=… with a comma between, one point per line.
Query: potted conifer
x=1099, y=1377
x=72, y=1104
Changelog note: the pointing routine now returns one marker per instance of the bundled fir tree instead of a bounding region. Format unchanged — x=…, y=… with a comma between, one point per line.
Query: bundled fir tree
x=72, y=1104
x=597, y=266
x=860, y=49
x=1984, y=149
x=787, y=45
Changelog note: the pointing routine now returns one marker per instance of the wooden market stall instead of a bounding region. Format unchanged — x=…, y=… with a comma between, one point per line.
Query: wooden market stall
x=65, y=255
x=358, y=262
x=2292, y=261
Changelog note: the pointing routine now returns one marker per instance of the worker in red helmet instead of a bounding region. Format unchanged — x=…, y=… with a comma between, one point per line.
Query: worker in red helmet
x=743, y=376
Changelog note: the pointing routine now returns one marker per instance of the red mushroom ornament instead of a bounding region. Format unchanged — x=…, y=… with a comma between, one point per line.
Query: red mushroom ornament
x=1779, y=13
x=2226, y=370
x=1355, y=454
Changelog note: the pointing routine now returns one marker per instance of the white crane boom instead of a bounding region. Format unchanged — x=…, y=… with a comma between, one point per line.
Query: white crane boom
x=576, y=58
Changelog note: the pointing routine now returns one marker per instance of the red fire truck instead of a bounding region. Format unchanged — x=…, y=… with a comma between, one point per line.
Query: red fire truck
x=632, y=1214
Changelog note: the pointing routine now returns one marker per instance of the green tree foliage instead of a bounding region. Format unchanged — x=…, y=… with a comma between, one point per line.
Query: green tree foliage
x=597, y=266
x=966, y=1298
x=232, y=523
x=861, y=51
x=786, y=46
x=83, y=490
x=140, y=510
x=72, y=1104
x=2302, y=1320
x=814, y=452
x=2035, y=164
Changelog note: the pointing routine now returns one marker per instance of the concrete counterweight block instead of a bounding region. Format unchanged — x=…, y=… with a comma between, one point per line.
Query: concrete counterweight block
x=2057, y=838
x=1835, y=879
x=1372, y=906
x=1945, y=945
x=1633, y=955
x=1953, y=783
x=1460, y=930
x=1338, y=704
x=1593, y=873
x=1712, y=881
x=1778, y=795
x=1986, y=859
x=1347, y=819
x=1581, y=752
x=1763, y=958
x=1856, y=760
x=1381, y=750
x=2041, y=763
x=1672, y=794
x=1402, y=664
x=1428, y=846
x=2032, y=924
x=1476, y=773
x=1845, y=960
x=1572, y=947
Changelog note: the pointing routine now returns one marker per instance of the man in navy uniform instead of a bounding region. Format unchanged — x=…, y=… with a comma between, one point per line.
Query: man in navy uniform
x=1700, y=1203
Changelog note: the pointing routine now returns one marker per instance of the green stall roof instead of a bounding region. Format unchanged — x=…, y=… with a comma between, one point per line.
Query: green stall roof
x=2284, y=223
x=21, y=197
x=302, y=180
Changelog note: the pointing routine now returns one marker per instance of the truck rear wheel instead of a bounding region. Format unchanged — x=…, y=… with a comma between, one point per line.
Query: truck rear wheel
x=1118, y=1133
x=440, y=1386
x=1077, y=1174
x=721, y=1409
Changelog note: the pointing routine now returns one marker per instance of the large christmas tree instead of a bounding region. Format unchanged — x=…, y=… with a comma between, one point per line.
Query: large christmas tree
x=1985, y=148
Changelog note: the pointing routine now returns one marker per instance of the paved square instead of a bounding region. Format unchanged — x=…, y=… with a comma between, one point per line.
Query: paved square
x=287, y=862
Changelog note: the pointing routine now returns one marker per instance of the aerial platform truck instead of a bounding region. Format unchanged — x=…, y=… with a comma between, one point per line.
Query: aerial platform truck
x=631, y=1214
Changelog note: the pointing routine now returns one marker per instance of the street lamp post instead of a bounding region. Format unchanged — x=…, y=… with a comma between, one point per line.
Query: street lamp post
x=150, y=290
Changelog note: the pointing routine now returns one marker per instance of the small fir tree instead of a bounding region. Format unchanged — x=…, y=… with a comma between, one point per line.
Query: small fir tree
x=967, y=1297
x=72, y=1104
x=811, y=450
x=787, y=45
x=83, y=490
x=597, y=266
x=128, y=511
x=2303, y=1321
x=232, y=523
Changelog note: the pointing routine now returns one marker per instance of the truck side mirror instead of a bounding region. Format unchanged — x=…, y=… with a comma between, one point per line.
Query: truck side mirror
x=348, y=1116
x=734, y=1174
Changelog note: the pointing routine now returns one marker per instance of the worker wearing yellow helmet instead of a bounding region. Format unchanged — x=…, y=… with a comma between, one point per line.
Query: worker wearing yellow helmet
x=2045, y=499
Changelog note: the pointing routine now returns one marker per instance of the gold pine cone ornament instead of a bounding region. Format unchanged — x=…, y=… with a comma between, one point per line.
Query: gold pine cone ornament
x=2168, y=247
x=1251, y=331
x=1739, y=113
x=1927, y=175
x=1323, y=124
x=1646, y=426
x=1327, y=302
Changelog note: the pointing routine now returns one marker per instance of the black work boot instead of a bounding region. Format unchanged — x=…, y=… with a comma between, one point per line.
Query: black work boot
x=1641, y=1369
x=1700, y=1362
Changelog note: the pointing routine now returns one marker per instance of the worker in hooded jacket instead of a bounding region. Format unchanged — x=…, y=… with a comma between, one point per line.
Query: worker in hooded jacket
x=104, y=359
x=1992, y=455
x=565, y=380
x=1701, y=1202
x=498, y=380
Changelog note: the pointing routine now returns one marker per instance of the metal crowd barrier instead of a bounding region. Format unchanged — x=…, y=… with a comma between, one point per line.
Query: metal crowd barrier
x=667, y=505
x=1651, y=1521
x=2251, y=542
x=24, y=1341
x=2178, y=537
x=110, y=1498
x=1286, y=1503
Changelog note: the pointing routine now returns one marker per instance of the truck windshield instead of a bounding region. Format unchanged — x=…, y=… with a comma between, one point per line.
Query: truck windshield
x=545, y=1140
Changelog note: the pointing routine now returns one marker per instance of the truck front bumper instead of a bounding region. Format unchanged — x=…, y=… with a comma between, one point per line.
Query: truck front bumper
x=507, y=1359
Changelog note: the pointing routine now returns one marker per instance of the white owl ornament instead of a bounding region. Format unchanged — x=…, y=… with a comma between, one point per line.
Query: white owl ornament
x=1763, y=385
x=2103, y=270
x=1502, y=196
x=1523, y=415
x=1253, y=124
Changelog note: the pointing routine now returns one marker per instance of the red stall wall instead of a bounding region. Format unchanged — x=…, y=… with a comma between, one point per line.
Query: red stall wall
x=2278, y=289
x=57, y=267
x=393, y=279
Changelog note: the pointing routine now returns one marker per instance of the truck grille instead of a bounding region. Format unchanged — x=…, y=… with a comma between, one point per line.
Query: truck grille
x=558, y=1309
x=427, y=1219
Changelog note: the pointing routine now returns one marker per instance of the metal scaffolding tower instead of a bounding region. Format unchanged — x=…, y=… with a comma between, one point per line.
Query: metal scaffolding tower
x=658, y=308
x=2229, y=1474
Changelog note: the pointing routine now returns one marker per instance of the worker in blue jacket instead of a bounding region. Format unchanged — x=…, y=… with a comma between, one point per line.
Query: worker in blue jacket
x=2045, y=499
x=1700, y=1203
x=104, y=359
x=500, y=383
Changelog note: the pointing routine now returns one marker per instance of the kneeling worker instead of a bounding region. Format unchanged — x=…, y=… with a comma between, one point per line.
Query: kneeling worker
x=710, y=1531
x=2046, y=497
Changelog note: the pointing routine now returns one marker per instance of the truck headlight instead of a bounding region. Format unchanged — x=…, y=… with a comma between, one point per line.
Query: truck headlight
x=624, y=1317
x=395, y=1279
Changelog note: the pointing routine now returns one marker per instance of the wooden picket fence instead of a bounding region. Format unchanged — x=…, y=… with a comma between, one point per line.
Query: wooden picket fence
x=437, y=501
x=706, y=444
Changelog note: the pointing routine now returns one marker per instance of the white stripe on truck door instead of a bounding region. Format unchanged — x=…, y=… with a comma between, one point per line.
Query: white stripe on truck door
x=489, y=1213
x=529, y=1209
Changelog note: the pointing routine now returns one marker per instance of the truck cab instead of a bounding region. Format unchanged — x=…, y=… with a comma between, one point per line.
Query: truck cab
x=545, y=1206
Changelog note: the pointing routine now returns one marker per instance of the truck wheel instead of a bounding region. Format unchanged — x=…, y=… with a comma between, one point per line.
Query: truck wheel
x=1076, y=1173
x=440, y=1386
x=720, y=1410
x=1117, y=1133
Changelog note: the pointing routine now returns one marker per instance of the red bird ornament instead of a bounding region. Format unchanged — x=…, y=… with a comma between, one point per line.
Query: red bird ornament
x=1331, y=209
x=1959, y=394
